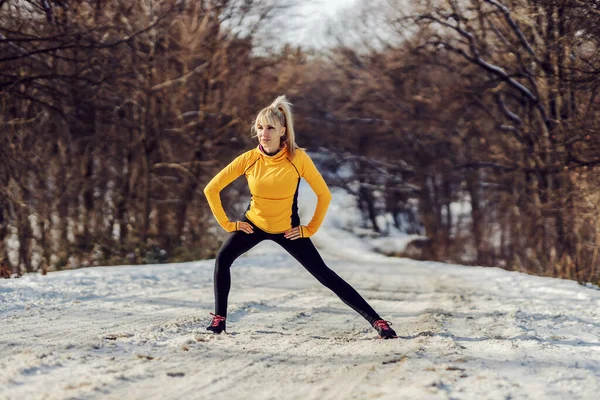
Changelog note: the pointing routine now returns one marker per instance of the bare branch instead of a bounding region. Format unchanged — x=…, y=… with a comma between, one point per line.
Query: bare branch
x=181, y=80
x=177, y=167
x=515, y=27
x=509, y=114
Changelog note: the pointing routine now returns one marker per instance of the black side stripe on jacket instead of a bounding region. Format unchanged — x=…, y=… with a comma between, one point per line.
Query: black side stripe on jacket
x=295, y=216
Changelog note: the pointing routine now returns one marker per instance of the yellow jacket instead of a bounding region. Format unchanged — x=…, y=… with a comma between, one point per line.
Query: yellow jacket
x=273, y=182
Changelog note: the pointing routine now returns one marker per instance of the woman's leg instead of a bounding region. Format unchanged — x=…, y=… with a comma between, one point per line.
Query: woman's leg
x=306, y=253
x=237, y=244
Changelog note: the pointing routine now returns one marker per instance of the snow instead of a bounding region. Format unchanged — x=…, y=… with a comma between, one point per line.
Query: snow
x=138, y=332
x=341, y=233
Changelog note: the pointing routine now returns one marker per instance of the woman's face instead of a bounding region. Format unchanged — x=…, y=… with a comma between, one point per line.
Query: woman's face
x=269, y=135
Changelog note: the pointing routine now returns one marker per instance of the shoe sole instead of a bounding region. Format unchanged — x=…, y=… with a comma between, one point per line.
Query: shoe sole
x=216, y=333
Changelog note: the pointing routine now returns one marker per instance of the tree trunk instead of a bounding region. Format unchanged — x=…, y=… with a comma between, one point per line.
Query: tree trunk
x=476, y=215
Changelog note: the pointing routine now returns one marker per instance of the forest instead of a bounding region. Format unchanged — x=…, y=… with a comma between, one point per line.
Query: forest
x=115, y=114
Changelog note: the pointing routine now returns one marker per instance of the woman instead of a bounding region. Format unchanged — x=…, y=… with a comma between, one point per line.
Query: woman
x=274, y=169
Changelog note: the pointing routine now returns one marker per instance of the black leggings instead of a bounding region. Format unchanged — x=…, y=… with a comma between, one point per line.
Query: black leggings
x=302, y=250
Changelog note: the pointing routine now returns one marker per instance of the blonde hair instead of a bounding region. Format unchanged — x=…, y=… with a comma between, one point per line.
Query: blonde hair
x=279, y=114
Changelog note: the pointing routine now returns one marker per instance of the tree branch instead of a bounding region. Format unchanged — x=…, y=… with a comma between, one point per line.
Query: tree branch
x=181, y=80
x=515, y=27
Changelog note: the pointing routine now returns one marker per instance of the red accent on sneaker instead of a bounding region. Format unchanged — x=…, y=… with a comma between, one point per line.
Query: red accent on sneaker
x=380, y=323
x=216, y=319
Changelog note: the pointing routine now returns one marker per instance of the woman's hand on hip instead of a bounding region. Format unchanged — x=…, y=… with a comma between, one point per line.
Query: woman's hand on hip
x=245, y=227
x=293, y=233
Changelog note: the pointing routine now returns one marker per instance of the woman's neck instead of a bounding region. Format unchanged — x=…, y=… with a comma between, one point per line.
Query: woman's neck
x=270, y=153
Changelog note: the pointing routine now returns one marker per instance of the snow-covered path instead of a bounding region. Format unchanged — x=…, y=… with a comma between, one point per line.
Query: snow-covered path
x=138, y=333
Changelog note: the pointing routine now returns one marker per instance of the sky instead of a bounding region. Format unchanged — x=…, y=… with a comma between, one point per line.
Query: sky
x=350, y=20
x=318, y=13
x=312, y=20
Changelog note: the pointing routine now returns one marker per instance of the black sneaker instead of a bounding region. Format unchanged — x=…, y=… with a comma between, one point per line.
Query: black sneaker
x=384, y=330
x=217, y=325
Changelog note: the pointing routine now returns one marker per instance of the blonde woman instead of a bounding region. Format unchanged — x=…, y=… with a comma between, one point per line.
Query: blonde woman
x=274, y=169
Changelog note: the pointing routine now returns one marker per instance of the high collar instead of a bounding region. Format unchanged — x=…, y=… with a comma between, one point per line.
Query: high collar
x=281, y=155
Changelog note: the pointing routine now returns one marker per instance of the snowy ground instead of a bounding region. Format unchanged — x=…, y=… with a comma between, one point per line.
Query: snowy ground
x=138, y=332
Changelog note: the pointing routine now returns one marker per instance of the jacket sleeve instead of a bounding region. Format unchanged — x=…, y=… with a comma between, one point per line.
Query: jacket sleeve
x=213, y=189
x=318, y=185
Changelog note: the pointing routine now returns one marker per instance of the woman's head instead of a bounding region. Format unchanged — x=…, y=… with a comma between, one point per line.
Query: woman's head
x=274, y=125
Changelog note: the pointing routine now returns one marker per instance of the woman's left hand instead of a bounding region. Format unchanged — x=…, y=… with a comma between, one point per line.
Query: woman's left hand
x=293, y=233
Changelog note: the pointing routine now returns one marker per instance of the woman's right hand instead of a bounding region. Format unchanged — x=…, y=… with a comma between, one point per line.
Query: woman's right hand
x=245, y=227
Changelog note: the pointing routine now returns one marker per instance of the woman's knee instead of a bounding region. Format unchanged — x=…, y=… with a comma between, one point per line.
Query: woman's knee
x=227, y=254
x=327, y=276
x=223, y=259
